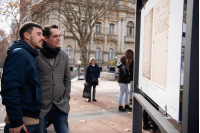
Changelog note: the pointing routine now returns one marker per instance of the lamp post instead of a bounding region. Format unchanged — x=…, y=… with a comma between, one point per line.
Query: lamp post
x=79, y=65
x=115, y=60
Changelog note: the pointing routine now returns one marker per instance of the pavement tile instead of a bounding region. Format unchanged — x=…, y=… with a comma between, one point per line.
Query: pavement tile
x=101, y=116
x=119, y=123
x=2, y=112
x=94, y=126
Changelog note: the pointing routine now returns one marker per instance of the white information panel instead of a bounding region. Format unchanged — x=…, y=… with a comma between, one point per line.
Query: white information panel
x=160, y=52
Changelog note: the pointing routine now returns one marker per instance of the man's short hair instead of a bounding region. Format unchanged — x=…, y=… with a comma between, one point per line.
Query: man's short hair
x=28, y=27
x=46, y=31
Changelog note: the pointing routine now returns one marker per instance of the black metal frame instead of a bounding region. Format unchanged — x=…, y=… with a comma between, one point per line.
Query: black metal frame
x=190, y=122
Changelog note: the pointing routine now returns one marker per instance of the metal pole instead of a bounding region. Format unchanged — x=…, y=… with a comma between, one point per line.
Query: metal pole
x=78, y=71
x=190, y=121
x=137, y=108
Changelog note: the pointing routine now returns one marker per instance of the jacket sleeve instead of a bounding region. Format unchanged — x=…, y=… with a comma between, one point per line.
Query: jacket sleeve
x=87, y=74
x=15, y=73
x=67, y=79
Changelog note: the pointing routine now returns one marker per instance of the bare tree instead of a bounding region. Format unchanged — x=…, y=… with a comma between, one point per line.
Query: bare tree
x=10, y=13
x=80, y=17
x=85, y=14
x=4, y=44
x=18, y=12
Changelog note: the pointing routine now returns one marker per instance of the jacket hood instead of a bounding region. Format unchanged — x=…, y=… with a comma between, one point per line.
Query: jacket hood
x=22, y=44
x=119, y=64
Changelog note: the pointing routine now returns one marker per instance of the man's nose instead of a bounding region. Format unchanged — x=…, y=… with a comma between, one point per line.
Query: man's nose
x=59, y=38
x=42, y=37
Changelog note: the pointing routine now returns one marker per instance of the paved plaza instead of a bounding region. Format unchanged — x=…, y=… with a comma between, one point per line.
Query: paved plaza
x=93, y=117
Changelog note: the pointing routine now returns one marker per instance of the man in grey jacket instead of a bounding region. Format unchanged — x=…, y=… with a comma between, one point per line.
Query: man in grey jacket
x=55, y=81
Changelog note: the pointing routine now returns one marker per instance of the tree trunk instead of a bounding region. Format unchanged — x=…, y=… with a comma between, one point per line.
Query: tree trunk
x=84, y=60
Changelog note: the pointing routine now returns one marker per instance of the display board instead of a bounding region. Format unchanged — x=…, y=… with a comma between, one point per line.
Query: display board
x=160, y=52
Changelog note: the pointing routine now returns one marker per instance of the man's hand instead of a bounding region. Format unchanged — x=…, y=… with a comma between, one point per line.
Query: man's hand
x=17, y=129
x=86, y=83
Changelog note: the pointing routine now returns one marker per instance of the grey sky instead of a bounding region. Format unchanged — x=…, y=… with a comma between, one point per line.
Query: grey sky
x=5, y=25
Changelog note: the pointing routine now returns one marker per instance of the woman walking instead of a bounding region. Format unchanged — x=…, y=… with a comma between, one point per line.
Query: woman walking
x=123, y=81
x=92, y=75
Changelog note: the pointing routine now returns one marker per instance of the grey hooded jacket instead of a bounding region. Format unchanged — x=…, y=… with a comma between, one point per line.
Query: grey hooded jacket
x=55, y=82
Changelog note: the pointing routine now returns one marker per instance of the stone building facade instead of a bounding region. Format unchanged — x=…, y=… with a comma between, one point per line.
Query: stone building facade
x=111, y=39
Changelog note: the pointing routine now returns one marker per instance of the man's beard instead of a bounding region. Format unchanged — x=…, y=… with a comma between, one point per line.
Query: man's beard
x=33, y=43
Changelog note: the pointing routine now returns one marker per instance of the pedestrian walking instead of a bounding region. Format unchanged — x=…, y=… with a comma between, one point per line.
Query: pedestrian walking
x=20, y=85
x=123, y=82
x=92, y=75
x=55, y=80
x=131, y=79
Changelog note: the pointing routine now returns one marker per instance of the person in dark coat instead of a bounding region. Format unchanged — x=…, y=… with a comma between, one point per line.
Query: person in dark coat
x=92, y=71
x=123, y=82
x=131, y=84
x=20, y=85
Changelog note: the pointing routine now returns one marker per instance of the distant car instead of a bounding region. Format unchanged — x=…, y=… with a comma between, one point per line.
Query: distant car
x=80, y=77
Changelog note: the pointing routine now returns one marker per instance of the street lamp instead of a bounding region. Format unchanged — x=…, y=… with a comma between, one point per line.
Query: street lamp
x=79, y=65
x=115, y=60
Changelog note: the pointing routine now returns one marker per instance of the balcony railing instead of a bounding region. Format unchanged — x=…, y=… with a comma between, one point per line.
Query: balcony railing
x=68, y=34
x=129, y=39
x=99, y=61
x=112, y=38
x=99, y=37
x=71, y=61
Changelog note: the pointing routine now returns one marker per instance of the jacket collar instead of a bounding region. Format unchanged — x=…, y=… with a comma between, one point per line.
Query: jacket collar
x=57, y=59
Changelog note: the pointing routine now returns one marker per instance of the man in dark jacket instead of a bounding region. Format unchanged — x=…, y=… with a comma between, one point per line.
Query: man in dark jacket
x=20, y=84
x=55, y=80
x=131, y=84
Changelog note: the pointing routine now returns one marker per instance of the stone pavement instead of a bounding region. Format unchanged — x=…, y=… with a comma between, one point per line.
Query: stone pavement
x=93, y=117
x=97, y=117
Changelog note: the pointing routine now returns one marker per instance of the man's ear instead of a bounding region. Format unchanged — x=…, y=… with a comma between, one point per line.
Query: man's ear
x=45, y=38
x=27, y=35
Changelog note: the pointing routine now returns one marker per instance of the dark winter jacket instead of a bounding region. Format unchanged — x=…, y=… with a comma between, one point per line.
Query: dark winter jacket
x=20, y=84
x=131, y=71
x=92, y=71
x=123, y=73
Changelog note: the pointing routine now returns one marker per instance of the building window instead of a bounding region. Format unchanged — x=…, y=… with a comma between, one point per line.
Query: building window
x=98, y=27
x=83, y=25
x=69, y=51
x=71, y=68
x=112, y=69
x=130, y=29
x=111, y=54
x=112, y=29
x=97, y=54
x=80, y=55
